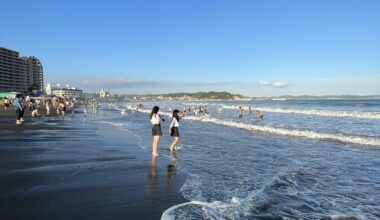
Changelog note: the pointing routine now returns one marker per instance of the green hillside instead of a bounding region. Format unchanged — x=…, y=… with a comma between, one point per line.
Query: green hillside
x=207, y=95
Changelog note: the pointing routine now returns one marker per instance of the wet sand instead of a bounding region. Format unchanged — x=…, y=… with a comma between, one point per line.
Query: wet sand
x=78, y=169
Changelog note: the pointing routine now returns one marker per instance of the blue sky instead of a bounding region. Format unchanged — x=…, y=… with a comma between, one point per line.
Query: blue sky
x=256, y=48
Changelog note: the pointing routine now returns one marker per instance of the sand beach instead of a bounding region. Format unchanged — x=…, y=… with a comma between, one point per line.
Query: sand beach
x=298, y=165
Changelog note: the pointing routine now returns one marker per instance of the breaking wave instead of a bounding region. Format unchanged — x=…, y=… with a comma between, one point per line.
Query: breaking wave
x=291, y=132
x=365, y=115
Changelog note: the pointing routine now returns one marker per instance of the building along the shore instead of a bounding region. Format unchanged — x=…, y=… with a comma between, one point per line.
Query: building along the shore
x=103, y=94
x=67, y=92
x=20, y=74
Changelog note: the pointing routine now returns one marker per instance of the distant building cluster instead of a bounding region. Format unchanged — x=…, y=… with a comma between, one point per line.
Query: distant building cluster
x=20, y=74
x=63, y=92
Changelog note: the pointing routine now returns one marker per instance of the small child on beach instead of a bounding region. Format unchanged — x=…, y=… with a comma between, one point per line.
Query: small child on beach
x=36, y=113
x=6, y=103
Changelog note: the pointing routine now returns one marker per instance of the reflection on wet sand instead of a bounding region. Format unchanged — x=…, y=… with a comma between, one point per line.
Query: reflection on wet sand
x=152, y=177
x=172, y=166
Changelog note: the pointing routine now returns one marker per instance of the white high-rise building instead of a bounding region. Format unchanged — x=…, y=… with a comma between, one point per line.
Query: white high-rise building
x=103, y=93
x=48, y=89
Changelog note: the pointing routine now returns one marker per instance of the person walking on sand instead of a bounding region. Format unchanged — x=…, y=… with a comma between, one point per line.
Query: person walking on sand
x=174, y=131
x=85, y=109
x=6, y=103
x=155, y=119
x=47, y=106
x=72, y=107
x=62, y=107
x=23, y=106
x=94, y=106
x=18, y=108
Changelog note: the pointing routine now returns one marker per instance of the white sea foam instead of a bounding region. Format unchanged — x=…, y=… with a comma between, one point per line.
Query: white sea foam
x=354, y=216
x=206, y=211
x=284, y=131
x=199, y=104
x=235, y=208
x=148, y=111
x=244, y=207
x=291, y=132
x=355, y=114
x=110, y=123
x=122, y=111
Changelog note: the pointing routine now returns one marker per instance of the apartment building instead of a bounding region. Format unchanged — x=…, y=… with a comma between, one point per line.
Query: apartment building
x=67, y=92
x=20, y=74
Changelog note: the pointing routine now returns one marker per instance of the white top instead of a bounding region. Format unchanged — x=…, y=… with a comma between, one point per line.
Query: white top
x=174, y=123
x=155, y=120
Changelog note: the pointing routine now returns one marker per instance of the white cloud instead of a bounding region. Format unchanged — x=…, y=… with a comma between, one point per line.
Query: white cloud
x=280, y=84
x=114, y=83
x=276, y=84
x=264, y=83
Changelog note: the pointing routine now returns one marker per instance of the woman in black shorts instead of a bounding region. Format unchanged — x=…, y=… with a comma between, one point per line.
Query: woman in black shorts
x=155, y=119
x=174, y=131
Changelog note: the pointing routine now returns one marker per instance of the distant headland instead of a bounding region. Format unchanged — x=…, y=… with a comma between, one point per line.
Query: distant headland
x=213, y=95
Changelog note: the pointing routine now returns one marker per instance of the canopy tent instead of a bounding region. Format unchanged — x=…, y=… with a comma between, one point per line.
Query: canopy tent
x=8, y=94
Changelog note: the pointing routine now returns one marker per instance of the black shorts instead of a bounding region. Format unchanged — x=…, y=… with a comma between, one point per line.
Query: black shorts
x=156, y=130
x=19, y=114
x=174, y=132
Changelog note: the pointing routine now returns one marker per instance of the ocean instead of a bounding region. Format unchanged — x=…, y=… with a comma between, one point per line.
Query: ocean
x=305, y=159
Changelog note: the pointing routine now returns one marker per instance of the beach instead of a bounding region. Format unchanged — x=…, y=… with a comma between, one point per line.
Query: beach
x=77, y=169
x=305, y=159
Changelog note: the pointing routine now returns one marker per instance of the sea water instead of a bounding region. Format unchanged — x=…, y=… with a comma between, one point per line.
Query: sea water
x=313, y=159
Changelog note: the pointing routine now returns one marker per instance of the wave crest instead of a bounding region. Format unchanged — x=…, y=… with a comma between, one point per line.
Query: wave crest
x=291, y=132
x=365, y=115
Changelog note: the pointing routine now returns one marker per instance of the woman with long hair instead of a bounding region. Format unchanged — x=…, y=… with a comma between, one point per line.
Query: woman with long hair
x=155, y=119
x=174, y=131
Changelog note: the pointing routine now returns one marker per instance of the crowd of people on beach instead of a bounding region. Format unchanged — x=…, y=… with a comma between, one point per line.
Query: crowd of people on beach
x=197, y=110
x=41, y=106
x=35, y=106
x=61, y=105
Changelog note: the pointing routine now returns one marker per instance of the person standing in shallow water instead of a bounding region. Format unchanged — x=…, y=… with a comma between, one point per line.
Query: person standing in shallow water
x=174, y=131
x=241, y=109
x=155, y=119
x=259, y=114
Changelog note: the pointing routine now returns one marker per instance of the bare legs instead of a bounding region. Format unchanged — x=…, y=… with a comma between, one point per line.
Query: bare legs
x=173, y=146
x=156, y=139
